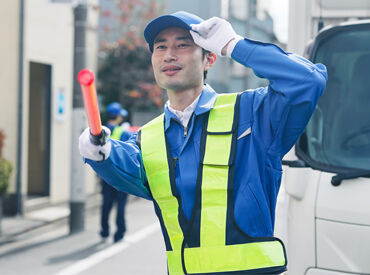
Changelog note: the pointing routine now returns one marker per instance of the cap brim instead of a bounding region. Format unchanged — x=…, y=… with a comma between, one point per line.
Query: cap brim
x=123, y=113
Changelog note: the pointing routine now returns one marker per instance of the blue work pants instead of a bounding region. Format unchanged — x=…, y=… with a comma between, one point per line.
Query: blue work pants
x=111, y=196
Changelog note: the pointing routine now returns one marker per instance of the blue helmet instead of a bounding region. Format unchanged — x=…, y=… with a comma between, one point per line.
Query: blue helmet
x=114, y=109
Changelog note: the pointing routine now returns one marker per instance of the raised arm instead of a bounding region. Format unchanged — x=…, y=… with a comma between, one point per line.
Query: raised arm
x=281, y=110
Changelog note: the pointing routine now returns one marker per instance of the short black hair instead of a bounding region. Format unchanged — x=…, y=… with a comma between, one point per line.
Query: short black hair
x=204, y=52
x=111, y=116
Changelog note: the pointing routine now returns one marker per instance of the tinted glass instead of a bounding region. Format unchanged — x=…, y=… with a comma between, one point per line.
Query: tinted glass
x=339, y=131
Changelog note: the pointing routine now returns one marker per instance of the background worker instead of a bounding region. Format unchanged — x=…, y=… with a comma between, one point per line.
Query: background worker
x=212, y=162
x=116, y=116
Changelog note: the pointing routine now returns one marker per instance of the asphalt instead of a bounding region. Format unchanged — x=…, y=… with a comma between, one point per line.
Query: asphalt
x=14, y=227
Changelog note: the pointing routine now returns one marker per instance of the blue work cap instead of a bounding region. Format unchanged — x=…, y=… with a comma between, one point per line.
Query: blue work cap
x=180, y=19
x=115, y=109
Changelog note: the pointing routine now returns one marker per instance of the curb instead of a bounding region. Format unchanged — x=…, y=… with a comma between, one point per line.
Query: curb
x=27, y=223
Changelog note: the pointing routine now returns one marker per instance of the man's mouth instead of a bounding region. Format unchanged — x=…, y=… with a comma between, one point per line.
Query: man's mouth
x=171, y=69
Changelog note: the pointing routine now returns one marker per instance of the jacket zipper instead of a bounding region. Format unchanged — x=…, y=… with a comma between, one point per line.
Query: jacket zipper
x=175, y=159
x=185, y=131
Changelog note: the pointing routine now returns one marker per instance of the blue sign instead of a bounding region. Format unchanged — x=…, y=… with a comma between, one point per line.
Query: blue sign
x=60, y=105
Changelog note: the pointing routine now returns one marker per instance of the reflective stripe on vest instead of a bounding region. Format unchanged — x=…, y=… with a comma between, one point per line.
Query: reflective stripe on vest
x=154, y=153
x=213, y=255
x=116, y=133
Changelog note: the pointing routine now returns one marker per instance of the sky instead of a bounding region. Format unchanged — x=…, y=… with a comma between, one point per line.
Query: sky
x=278, y=9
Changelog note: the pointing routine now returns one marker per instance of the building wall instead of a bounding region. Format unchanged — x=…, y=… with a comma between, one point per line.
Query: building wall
x=250, y=20
x=48, y=39
x=304, y=17
x=52, y=43
x=9, y=14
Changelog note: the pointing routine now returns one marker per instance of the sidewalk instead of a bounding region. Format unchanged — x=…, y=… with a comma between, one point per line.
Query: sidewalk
x=13, y=227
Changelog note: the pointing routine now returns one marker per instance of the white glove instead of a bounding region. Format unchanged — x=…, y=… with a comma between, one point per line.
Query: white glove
x=91, y=151
x=214, y=34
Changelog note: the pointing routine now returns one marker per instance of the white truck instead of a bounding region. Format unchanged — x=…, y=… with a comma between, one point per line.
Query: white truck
x=323, y=209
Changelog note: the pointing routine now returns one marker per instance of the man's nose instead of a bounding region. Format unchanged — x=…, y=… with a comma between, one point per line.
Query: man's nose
x=170, y=55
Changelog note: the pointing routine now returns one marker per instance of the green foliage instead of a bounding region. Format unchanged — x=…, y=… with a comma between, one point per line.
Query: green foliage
x=125, y=73
x=125, y=20
x=126, y=76
x=6, y=169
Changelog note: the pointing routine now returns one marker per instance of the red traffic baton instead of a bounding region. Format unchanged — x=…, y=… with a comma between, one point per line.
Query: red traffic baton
x=86, y=79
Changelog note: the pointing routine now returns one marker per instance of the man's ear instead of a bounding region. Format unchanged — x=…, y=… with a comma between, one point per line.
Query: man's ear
x=210, y=60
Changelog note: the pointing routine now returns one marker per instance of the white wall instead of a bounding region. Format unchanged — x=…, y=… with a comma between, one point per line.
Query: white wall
x=49, y=40
x=304, y=16
x=9, y=16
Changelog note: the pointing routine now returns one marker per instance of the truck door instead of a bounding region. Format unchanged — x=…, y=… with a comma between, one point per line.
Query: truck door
x=327, y=207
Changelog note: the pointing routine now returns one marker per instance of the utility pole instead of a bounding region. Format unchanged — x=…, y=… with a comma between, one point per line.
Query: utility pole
x=77, y=189
x=19, y=196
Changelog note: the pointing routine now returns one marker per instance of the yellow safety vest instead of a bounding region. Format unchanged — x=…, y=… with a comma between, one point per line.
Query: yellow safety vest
x=116, y=133
x=213, y=254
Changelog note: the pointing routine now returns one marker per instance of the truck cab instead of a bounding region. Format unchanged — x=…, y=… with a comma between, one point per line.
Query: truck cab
x=323, y=209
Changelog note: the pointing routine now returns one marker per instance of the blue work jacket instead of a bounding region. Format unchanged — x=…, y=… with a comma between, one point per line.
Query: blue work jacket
x=270, y=121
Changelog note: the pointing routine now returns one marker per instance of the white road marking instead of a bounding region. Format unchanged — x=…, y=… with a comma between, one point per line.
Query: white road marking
x=100, y=256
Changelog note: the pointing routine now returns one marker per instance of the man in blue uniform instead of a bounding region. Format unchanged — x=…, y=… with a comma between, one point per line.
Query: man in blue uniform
x=212, y=162
x=115, y=117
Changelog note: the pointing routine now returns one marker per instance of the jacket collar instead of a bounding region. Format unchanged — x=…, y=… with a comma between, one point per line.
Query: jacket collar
x=205, y=104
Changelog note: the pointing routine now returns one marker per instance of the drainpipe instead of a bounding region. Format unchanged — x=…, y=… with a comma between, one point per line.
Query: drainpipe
x=19, y=199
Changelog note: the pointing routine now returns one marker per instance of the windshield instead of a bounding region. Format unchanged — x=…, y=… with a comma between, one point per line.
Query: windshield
x=339, y=131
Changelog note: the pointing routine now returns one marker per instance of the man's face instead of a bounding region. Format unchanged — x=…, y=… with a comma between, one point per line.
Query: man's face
x=177, y=61
x=120, y=119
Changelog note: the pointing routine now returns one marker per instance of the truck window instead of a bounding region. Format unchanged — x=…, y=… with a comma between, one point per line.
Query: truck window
x=338, y=134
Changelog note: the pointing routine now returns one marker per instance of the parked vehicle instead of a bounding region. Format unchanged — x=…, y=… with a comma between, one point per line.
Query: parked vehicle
x=323, y=211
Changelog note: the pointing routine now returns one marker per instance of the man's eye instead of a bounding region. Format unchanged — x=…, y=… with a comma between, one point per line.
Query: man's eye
x=160, y=47
x=183, y=45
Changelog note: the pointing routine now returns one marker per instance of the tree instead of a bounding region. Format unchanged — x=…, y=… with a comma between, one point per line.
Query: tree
x=125, y=73
x=5, y=169
x=126, y=76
